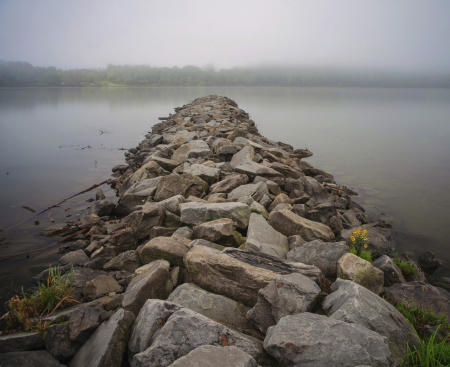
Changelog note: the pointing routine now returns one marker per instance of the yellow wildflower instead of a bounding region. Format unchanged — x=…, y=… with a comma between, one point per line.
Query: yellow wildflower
x=366, y=245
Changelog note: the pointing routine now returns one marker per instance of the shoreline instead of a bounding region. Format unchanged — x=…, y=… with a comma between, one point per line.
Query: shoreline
x=208, y=163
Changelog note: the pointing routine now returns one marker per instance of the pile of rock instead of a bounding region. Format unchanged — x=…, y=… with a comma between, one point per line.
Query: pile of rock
x=224, y=249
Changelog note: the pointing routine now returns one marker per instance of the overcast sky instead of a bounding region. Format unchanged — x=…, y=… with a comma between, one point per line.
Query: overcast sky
x=395, y=34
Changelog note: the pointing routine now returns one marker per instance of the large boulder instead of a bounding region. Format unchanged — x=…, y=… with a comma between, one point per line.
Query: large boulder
x=153, y=281
x=288, y=295
x=229, y=183
x=185, y=185
x=217, y=307
x=392, y=273
x=239, y=274
x=183, y=331
x=213, y=356
x=107, y=345
x=142, y=221
x=420, y=294
x=171, y=249
x=360, y=271
x=353, y=303
x=291, y=224
x=261, y=237
x=308, y=339
x=193, y=149
x=200, y=212
x=324, y=255
x=139, y=192
x=38, y=358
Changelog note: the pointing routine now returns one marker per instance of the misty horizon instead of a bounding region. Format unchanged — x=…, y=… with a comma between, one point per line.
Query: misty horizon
x=404, y=36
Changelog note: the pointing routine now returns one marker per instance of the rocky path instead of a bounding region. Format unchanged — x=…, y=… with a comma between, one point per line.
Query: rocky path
x=224, y=249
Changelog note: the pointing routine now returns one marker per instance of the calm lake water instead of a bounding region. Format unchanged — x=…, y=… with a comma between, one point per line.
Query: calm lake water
x=390, y=145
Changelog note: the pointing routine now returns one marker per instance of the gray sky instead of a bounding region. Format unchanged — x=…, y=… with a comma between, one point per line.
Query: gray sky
x=396, y=34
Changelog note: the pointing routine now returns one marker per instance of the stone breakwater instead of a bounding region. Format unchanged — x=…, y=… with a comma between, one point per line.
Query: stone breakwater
x=224, y=249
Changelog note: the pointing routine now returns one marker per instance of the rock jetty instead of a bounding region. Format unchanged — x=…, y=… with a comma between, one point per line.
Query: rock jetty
x=224, y=248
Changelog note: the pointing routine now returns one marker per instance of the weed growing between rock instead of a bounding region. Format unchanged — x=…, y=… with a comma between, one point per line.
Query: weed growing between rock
x=29, y=311
x=359, y=244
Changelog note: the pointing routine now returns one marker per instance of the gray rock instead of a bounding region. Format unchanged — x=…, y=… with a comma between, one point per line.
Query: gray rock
x=218, y=308
x=83, y=321
x=100, y=286
x=185, y=232
x=172, y=204
x=206, y=173
x=151, y=318
x=441, y=277
x=77, y=257
x=138, y=193
x=214, y=230
x=38, y=358
x=420, y=294
x=202, y=242
x=58, y=343
x=185, y=185
x=141, y=222
x=239, y=274
x=104, y=207
x=355, y=304
x=256, y=169
x=229, y=183
x=308, y=339
x=324, y=255
x=127, y=260
x=360, y=271
x=152, y=281
x=107, y=345
x=295, y=241
x=291, y=224
x=392, y=273
x=255, y=191
x=288, y=295
x=21, y=342
x=261, y=237
x=186, y=330
x=171, y=249
x=193, y=149
x=212, y=356
x=168, y=164
x=200, y=212
x=246, y=154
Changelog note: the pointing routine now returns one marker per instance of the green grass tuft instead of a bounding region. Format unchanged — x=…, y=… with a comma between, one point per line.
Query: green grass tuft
x=365, y=254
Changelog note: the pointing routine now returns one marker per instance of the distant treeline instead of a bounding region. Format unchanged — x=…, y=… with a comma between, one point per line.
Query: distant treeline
x=22, y=74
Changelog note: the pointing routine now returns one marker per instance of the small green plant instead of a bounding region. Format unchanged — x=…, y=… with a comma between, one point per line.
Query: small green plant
x=359, y=244
x=418, y=318
x=429, y=353
x=408, y=269
x=29, y=310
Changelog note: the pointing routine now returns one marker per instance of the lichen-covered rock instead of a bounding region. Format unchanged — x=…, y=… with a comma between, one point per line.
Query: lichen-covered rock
x=291, y=224
x=324, y=255
x=360, y=271
x=353, y=303
x=308, y=339
x=106, y=347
